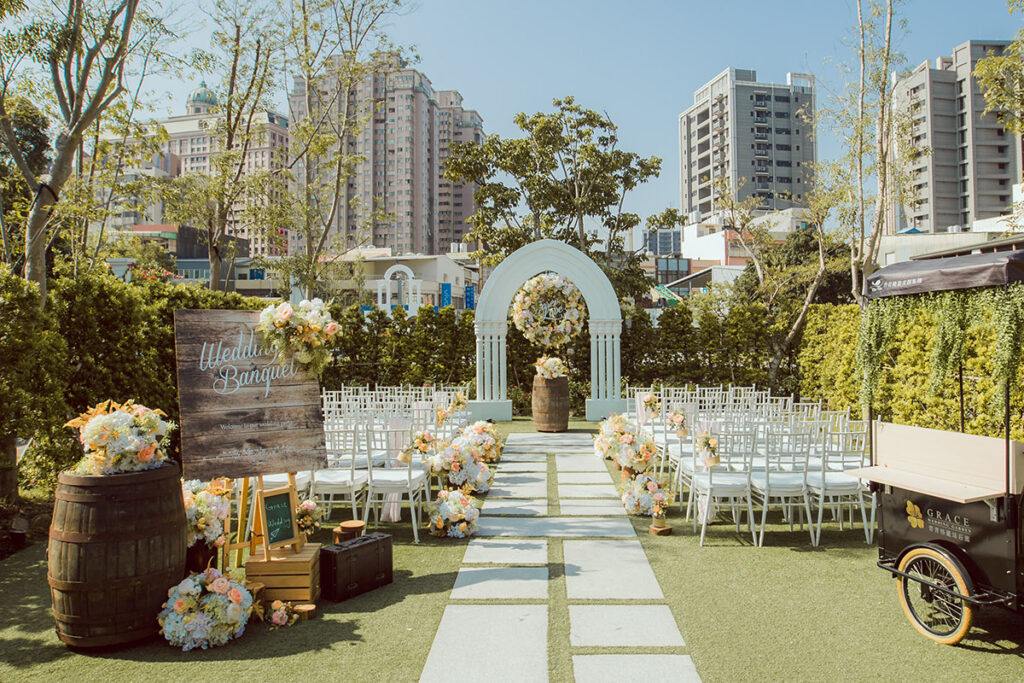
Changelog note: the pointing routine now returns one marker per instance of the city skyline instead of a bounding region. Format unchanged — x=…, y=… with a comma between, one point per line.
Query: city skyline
x=517, y=58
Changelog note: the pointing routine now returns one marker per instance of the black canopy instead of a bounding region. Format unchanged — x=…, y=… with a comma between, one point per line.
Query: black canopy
x=944, y=274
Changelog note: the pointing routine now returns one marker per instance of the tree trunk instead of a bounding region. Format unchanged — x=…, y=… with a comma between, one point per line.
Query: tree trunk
x=39, y=217
x=8, y=469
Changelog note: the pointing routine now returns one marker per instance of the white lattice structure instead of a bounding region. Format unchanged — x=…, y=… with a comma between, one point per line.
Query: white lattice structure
x=492, y=400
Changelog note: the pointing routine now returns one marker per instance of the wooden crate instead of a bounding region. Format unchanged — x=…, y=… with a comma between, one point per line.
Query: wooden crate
x=287, y=575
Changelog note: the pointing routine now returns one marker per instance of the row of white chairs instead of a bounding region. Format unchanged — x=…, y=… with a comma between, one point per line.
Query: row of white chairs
x=774, y=452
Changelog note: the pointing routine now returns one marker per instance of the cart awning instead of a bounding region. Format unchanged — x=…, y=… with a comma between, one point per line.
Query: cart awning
x=944, y=274
x=955, y=491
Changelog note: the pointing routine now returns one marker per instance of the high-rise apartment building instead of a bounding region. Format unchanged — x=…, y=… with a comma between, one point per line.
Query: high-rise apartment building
x=408, y=129
x=739, y=128
x=188, y=148
x=970, y=163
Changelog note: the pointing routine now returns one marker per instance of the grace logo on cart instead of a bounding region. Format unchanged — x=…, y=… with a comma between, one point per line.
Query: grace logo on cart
x=953, y=527
x=914, y=516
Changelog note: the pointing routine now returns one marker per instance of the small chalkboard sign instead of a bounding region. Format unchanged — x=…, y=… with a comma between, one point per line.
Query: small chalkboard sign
x=275, y=517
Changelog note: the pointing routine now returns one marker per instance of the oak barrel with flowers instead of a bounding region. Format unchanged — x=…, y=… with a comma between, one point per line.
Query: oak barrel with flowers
x=550, y=398
x=116, y=543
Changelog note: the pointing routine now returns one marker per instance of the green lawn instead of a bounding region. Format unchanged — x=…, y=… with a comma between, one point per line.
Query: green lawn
x=784, y=612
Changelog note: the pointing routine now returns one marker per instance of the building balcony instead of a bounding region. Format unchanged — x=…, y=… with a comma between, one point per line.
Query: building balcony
x=761, y=154
x=760, y=136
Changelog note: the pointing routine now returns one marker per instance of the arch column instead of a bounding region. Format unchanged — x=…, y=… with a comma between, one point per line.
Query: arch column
x=492, y=402
x=605, y=369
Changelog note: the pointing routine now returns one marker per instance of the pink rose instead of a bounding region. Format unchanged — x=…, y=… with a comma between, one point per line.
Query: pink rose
x=220, y=585
x=652, y=487
x=280, y=618
x=331, y=329
x=235, y=595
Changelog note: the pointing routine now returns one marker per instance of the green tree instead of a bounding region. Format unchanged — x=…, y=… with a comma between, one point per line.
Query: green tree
x=85, y=46
x=30, y=130
x=564, y=175
x=1001, y=78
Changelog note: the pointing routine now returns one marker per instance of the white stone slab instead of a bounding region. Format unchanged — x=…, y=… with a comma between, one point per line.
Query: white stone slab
x=617, y=668
x=623, y=626
x=554, y=527
x=587, y=491
x=535, y=489
x=501, y=583
x=507, y=467
x=587, y=508
x=601, y=477
x=546, y=438
x=535, y=507
x=609, y=570
x=580, y=463
x=507, y=457
x=500, y=551
x=516, y=638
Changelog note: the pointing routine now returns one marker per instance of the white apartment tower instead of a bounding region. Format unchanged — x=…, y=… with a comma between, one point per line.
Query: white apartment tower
x=739, y=128
x=969, y=163
x=409, y=127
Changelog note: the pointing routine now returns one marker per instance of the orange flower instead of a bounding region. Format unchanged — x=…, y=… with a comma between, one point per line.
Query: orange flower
x=235, y=595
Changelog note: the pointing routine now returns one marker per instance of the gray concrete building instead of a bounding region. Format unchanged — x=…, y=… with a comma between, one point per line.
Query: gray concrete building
x=409, y=127
x=742, y=129
x=971, y=163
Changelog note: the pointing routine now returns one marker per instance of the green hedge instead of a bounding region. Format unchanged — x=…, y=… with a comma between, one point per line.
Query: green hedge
x=828, y=371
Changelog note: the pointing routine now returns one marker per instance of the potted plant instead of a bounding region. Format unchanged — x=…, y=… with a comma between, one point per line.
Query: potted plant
x=707, y=446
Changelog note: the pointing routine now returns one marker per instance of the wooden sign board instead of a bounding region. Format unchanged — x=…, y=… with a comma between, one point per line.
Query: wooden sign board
x=243, y=414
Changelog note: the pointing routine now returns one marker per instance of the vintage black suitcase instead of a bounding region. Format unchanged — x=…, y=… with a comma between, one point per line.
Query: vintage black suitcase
x=353, y=567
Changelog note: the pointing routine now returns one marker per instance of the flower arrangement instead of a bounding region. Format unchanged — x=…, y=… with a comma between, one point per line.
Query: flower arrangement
x=637, y=452
x=548, y=310
x=282, y=614
x=677, y=421
x=610, y=433
x=205, y=610
x=118, y=438
x=422, y=442
x=451, y=465
x=207, y=506
x=308, y=516
x=442, y=414
x=651, y=402
x=707, y=446
x=299, y=333
x=453, y=514
x=550, y=367
x=460, y=402
x=484, y=441
x=646, y=496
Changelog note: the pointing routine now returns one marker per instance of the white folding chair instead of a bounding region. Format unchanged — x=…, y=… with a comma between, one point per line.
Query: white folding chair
x=341, y=479
x=408, y=480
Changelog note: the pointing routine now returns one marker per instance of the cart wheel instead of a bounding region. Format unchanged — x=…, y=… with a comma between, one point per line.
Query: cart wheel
x=942, y=617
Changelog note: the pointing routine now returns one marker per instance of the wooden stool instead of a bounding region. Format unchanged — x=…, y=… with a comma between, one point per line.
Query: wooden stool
x=349, y=530
x=305, y=611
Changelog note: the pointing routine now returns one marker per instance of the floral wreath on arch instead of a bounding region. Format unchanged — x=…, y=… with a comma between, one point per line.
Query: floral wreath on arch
x=549, y=310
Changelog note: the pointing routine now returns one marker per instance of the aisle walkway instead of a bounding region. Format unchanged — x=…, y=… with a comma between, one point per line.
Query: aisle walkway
x=536, y=557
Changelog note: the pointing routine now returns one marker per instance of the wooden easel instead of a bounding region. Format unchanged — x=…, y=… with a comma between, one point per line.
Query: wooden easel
x=258, y=533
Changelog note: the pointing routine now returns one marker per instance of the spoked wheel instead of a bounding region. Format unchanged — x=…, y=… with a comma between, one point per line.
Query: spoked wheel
x=942, y=617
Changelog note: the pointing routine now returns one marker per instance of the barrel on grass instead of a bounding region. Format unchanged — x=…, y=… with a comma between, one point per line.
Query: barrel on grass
x=117, y=543
x=550, y=404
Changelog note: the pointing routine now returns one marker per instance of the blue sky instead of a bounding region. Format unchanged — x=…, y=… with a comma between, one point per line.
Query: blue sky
x=641, y=60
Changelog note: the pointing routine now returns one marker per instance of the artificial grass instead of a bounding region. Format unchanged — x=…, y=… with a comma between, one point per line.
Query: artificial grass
x=785, y=611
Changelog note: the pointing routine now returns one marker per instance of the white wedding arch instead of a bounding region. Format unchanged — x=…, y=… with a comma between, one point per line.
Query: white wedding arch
x=542, y=256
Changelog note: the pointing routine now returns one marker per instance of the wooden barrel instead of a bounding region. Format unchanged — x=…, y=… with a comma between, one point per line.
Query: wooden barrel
x=550, y=404
x=117, y=543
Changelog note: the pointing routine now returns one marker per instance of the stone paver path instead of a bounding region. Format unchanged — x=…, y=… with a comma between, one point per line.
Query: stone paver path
x=503, y=594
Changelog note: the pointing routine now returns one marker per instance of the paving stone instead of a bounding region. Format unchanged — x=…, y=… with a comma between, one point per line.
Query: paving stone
x=500, y=551
x=609, y=570
x=623, y=626
x=617, y=668
x=554, y=527
x=586, y=508
x=534, y=507
x=501, y=583
x=516, y=638
x=507, y=467
x=580, y=463
x=513, y=456
x=601, y=477
x=532, y=489
x=587, y=491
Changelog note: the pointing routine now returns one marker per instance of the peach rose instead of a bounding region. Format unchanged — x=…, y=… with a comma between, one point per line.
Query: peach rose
x=220, y=585
x=235, y=595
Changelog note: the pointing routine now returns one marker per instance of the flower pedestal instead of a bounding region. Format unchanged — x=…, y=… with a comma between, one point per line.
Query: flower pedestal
x=712, y=460
x=550, y=400
x=659, y=527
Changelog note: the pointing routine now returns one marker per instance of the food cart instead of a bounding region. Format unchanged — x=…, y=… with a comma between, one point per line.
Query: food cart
x=949, y=503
